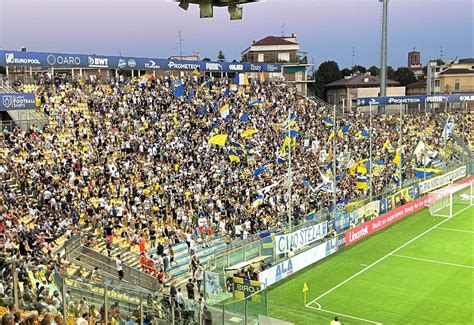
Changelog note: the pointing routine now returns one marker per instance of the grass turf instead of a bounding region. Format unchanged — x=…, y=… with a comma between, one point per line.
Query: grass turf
x=429, y=281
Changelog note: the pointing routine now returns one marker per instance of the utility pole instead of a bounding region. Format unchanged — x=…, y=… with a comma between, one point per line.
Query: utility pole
x=383, y=65
x=180, y=46
x=353, y=55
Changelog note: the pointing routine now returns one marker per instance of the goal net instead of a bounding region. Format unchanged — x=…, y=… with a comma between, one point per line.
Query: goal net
x=451, y=200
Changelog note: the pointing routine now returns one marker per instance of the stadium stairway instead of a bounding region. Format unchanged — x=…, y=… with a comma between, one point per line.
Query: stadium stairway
x=179, y=270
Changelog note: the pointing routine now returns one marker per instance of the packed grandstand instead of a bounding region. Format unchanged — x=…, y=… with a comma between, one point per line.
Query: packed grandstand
x=172, y=168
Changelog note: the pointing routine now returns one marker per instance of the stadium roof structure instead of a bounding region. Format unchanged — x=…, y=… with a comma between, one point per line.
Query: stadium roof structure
x=360, y=80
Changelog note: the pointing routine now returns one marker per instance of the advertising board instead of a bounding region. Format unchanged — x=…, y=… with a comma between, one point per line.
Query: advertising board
x=298, y=262
x=300, y=237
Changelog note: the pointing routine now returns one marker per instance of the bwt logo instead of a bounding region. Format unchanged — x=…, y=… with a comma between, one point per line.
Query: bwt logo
x=98, y=62
x=236, y=67
x=132, y=63
x=63, y=60
x=213, y=66
x=359, y=234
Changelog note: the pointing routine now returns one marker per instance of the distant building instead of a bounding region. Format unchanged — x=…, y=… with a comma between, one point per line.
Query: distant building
x=346, y=91
x=416, y=88
x=457, y=76
x=414, y=63
x=284, y=50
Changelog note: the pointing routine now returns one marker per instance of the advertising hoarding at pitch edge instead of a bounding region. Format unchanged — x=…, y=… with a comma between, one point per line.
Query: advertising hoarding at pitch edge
x=376, y=224
x=64, y=60
x=402, y=100
x=17, y=101
x=298, y=262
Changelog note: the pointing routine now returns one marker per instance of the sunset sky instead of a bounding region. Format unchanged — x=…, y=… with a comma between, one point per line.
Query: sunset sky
x=326, y=29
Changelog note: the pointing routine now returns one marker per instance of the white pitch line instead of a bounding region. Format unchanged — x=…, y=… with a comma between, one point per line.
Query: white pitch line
x=459, y=230
x=433, y=261
x=343, y=315
x=378, y=261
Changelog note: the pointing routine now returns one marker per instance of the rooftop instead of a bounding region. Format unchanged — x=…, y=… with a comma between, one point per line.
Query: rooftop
x=360, y=80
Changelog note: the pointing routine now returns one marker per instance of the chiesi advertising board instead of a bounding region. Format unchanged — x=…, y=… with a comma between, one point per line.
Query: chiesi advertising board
x=300, y=261
x=301, y=237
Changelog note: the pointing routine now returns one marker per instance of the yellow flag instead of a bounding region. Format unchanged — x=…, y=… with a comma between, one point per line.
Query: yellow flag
x=305, y=288
x=397, y=158
x=175, y=119
x=218, y=140
x=248, y=133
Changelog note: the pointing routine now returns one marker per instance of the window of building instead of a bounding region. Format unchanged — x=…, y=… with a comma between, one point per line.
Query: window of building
x=436, y=83
x=457, y=84
x=261, y=57
x=284, y=57
x=331, y=99
x=299, y=76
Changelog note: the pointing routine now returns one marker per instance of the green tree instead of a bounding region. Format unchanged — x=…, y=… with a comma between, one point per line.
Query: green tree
x=374, y=71
x=220, y=56
x=358, y=68
x=404, y=76
x=206, y=59
x=327, y=72
x=390, y=73
x=345, y=72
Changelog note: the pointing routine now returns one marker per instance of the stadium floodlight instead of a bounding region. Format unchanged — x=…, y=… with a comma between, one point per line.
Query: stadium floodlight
x=451, y=200
x=235, y=12
x=184, y=4
x=205, y=9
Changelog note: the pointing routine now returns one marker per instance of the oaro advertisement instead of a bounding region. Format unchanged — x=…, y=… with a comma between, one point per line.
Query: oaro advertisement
x=298, y=262
x=301, y=237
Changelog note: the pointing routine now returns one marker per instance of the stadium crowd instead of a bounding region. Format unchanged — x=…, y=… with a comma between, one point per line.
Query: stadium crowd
x=132, y=159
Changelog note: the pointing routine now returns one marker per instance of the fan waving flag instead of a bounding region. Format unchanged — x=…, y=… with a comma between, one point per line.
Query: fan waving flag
x=225, y=112
x=178, y=91
x=218, y=140
x=258, y=171
x=248, y=133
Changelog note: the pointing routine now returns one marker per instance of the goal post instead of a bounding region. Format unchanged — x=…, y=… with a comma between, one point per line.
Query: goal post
x=451, y=200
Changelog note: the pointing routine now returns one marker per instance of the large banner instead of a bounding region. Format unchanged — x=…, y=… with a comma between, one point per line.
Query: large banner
x=300, y=238
x=298, y=262
x=445, y=179
x=244, y=288
x=64, y=60
x=396, y=100
x=17, y=101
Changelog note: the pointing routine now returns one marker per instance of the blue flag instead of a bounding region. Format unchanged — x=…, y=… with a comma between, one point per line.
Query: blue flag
x=245, y=117
x=258, y=171
x=190, y=96
x=178, y=91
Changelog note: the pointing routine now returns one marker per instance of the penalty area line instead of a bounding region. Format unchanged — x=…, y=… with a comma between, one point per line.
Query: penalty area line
x=335, y=313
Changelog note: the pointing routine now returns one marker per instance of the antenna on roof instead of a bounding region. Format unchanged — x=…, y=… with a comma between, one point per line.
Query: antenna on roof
x=441, y=53
x=282, y=29
x=180, y=46
x=353, y=55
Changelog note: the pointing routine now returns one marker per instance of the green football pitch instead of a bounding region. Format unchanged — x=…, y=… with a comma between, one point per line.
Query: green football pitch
x=419, y=270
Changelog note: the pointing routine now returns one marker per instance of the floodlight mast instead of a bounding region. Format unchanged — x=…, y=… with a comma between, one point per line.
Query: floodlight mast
x=383, y=54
